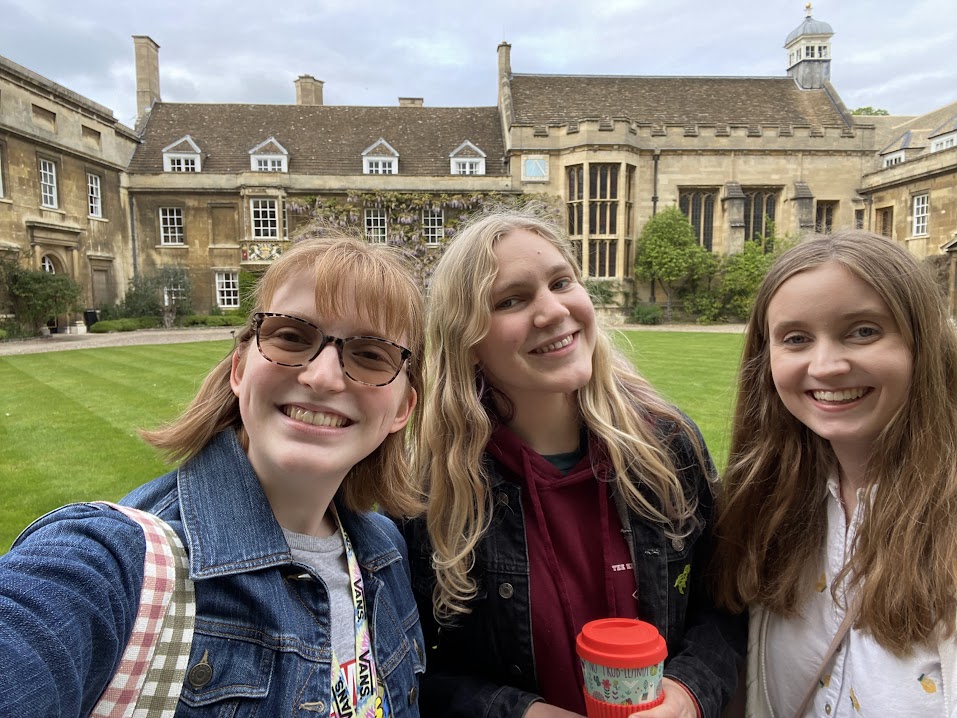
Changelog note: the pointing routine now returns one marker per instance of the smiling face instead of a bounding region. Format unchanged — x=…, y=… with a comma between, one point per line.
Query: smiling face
x=542, y=329
x=838, y=360
x=314, y=423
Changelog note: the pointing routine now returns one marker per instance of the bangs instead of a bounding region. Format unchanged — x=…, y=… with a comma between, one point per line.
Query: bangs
x=351, y=274
x=385, y=300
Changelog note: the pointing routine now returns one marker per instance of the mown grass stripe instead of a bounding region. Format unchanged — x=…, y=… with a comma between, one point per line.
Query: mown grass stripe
x=68, y=419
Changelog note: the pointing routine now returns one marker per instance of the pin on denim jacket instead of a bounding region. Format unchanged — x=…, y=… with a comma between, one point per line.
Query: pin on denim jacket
x=69, y=592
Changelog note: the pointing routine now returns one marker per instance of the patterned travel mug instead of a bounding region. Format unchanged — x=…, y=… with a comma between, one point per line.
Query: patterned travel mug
x=622, y=661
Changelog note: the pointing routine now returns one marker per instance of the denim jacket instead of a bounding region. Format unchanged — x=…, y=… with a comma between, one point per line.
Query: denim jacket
x=484, y=666
x=69, y=592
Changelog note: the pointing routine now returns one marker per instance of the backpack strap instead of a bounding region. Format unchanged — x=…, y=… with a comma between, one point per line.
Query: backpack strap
x=149, y=679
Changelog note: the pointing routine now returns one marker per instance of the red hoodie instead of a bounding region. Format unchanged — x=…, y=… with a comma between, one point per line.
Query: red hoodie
x=579, y=565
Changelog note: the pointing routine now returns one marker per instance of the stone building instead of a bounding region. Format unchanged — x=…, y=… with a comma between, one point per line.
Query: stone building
x=215, y=188
x=212, y=185
x=910, y=189
x=734, y=153
x=62, y=157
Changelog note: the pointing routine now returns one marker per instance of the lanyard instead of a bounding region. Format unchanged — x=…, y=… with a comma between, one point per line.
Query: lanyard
x=365, y=680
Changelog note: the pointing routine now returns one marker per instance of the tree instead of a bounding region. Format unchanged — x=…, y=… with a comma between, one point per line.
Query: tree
x=872, y=111
x=669, y=253
x=37, y=296
x=166, y=293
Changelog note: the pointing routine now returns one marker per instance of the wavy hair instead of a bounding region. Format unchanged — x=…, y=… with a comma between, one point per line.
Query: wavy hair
x=772, y=523
x=388, y=297
x=617, y=406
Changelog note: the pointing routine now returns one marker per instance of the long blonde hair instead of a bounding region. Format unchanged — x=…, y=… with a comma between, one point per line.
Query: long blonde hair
x=616, y=405
x=772, y=524
x=388, y=296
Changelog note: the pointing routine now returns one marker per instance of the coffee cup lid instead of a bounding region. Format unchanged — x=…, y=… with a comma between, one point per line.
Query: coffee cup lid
x=621, y=643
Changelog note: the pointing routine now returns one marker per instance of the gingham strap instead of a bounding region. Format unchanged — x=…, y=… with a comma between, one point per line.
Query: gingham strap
x=149, y=679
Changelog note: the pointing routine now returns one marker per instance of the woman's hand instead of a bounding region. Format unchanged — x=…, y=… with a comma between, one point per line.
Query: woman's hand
x=678, y=703
x=547, y=710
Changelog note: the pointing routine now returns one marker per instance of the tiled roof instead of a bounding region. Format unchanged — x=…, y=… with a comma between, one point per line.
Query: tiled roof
x=560, y=99
x=321, y=140
x=949, y=126
x=916, y=131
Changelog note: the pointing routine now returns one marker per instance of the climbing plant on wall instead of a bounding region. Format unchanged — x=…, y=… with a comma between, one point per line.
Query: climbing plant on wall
x=404, y=227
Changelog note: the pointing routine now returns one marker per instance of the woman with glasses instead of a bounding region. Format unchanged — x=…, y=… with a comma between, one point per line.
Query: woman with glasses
x=562, y=488
x=303, y=601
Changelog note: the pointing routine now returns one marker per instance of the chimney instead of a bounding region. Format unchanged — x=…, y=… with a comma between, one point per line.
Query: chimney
x=504, y=61
x=308, y=90
x=411, y=101
x=147, y=74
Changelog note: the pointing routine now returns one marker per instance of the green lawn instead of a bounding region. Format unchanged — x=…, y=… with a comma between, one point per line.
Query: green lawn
x=68, y=419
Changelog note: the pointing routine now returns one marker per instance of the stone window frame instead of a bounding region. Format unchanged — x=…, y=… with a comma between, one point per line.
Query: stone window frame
x=172, y=226
x=433, y=225
x=376, y=225
x=264, y=217
x=94, y=194
x=49, y=190
x=920, y=209
x=538, y=164
x=227, y=288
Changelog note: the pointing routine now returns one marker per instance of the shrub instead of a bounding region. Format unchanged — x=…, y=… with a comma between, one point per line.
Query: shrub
x=704, y=306
x=646, y=314
x=36, y=296
x=602, y=291
x=213, y=320
x=3, y=334
x=127, y=324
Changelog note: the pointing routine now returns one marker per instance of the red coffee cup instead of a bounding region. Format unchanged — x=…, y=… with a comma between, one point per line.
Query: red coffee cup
x=622, y=662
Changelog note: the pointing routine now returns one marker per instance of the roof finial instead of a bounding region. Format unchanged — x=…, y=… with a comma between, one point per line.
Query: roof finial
x=807, y=9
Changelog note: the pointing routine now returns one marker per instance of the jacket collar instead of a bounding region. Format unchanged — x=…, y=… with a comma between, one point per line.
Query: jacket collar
x=230, y=526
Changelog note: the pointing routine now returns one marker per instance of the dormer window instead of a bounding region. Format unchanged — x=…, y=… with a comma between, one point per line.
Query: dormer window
x=182, y=156
x=945, y=142
x=380, y=158
x=893, y=159
x=467, y=159
x=178, y=163
x=269, y=156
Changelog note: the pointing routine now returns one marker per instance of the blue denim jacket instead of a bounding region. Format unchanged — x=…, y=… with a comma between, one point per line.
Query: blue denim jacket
x=484, y=667
x=69, y=592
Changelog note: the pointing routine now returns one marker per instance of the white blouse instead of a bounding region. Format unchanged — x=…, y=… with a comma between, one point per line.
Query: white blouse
x=863, y=679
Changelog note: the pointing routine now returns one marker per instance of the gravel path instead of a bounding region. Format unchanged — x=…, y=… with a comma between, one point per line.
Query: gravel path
x=63, y=342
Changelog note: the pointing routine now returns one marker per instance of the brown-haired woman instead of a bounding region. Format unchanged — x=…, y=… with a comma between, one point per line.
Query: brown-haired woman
x=840, y=512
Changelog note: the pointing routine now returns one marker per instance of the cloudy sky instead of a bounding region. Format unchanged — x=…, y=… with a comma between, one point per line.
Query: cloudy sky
x=893, y=54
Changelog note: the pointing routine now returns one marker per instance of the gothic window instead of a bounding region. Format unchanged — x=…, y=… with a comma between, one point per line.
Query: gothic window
x=697, y=204
x=824, y=218
x=760, y=207
x=575, y=198
x=603, y=198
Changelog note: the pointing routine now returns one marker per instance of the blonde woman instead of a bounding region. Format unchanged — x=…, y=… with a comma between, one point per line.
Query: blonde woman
x=840, y=525
x=562, y=488
x=291, y=441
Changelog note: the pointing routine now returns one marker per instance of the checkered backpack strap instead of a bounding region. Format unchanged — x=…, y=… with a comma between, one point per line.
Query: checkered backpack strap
x=149, y=679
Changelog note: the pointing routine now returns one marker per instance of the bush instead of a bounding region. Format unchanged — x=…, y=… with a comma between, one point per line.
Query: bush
x=213, y=320
x=646, y=314
x=128, y=324
x=704, y=306
x=36, y=296
x=3, y=334
x=601, y=291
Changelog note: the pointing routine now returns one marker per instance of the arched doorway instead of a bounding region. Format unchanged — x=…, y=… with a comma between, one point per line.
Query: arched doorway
x=51, y=264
